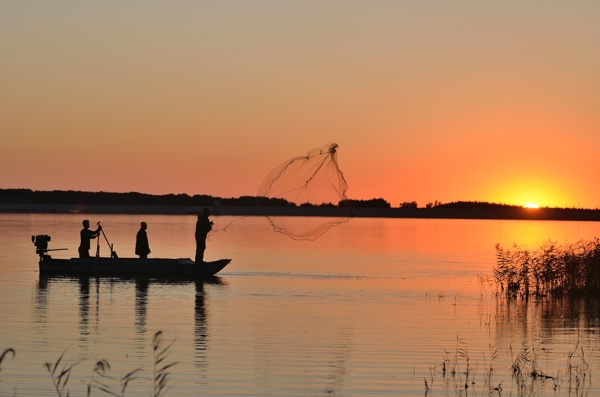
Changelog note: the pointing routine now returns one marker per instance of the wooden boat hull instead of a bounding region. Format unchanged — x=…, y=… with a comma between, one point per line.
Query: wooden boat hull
x=152, y=267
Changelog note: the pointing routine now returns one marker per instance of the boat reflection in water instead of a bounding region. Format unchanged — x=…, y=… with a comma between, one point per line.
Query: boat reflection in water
x=200, y=327
x=141, y=303
x=97, y=294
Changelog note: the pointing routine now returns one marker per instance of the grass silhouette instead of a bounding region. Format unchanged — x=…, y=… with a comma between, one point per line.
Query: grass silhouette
x=101, y=380
x=559, y=270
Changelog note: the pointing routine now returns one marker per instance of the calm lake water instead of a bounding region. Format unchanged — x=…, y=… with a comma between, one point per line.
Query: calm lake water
x=373, y=307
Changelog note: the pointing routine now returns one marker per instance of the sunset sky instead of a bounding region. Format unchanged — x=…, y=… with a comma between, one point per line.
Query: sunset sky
x=446, y=101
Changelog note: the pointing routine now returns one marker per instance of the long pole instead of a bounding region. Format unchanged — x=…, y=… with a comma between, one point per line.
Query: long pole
x=97, y=248
x=109, y=244
x=97, y=257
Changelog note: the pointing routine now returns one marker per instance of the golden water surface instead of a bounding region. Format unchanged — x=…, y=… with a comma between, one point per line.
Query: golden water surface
x=372, y=307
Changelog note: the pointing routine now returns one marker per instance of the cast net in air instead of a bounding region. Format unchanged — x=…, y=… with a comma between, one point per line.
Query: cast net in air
x=316, y=185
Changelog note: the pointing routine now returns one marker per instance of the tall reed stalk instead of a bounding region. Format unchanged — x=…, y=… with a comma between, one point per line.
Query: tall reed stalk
x=161, y=375
x=61, y=377
x=4, y=355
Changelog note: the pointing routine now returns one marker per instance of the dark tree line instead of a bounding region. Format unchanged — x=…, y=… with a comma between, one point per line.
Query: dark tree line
x=474, y=205
x=72, y=197
x=408, y=205
x=28, y=196
x=373, y=203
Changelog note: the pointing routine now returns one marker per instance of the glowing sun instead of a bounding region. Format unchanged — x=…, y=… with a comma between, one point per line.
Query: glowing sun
x=531, y=205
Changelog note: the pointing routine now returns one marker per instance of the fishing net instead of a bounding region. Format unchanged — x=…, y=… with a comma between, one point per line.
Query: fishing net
x=314, y=183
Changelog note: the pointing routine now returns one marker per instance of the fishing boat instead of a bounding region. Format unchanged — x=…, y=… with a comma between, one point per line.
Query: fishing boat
x=115, y=266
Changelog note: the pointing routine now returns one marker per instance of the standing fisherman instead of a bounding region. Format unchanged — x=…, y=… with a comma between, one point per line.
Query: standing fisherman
x=86, y=235
x=203, y=226
x=142, y=247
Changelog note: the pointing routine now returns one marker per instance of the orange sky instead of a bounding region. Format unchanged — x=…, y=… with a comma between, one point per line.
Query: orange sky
x=428, y=101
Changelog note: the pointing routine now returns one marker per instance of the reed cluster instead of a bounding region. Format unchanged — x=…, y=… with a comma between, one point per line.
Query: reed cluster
x=529, y=373
x=553, y=269
x=458, y=371
x=101, y=380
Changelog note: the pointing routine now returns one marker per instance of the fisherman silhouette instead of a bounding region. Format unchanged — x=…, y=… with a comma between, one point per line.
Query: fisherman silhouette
x=87, y=235
x=203, y=226
x=142, y=248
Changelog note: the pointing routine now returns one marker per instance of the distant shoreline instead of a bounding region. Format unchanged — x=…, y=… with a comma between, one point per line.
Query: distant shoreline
x=507, y=213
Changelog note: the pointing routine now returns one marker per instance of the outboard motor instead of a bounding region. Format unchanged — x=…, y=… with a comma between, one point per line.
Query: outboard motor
x=41, y=244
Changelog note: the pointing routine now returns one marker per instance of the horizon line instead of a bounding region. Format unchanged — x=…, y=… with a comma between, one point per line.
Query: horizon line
x=413, y=203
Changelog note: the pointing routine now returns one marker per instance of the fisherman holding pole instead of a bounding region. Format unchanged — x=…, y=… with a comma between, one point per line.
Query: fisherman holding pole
x=203, y=226
x=87, y=235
